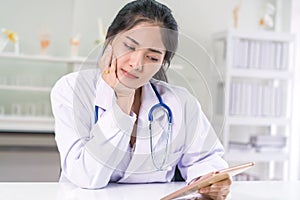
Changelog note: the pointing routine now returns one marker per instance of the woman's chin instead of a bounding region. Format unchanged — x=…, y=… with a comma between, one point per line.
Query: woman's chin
x=127, y=84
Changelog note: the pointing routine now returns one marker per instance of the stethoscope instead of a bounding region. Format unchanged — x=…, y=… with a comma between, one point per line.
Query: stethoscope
x=150, y=118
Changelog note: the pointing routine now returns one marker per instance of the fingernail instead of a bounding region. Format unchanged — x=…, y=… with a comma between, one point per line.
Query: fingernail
x=202, y=190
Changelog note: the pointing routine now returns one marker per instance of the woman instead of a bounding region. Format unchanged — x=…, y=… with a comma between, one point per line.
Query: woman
x=101, y=116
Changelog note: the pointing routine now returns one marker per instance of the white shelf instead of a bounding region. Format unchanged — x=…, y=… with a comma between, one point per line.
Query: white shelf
x=46, y=58
x=260, y=74
x=25, y=88
x=24, y=123
x=244, y=156
x=249, y=60
x=33, y=123
x=258, y=121
x=255, y=35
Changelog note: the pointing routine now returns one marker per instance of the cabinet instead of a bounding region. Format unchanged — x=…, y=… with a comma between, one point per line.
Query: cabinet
x=255, y=94
x=25, y=85
x=28, y=157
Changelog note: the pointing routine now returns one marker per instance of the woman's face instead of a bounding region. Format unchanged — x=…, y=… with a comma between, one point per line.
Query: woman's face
x=139, y=53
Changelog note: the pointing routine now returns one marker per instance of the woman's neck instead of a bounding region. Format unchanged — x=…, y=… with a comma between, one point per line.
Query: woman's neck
x=137, y=101
x=135, y=108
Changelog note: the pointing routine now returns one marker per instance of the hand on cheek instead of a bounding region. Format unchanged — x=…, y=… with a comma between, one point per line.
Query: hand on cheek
x=125, y=95
x=106, y=59
x=120, y=89
x=108, y=66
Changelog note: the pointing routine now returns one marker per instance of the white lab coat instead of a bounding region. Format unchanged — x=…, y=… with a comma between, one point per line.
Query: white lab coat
x=94, y=154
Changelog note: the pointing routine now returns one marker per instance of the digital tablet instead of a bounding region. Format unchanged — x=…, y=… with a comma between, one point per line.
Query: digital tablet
x=204, y=182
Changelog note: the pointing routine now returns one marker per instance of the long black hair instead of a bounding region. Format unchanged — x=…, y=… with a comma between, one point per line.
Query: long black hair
x=150, y=11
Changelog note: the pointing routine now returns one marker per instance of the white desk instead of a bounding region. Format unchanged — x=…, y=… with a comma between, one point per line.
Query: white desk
x=55, y=191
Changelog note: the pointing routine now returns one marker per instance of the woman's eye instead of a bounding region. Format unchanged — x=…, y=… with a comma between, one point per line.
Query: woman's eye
x=152, y=58
x=129, y=47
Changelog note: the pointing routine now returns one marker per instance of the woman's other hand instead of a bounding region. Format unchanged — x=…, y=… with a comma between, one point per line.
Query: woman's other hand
x=218, y=190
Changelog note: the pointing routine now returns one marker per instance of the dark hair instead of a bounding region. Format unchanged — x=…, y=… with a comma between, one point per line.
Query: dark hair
x=154, y=12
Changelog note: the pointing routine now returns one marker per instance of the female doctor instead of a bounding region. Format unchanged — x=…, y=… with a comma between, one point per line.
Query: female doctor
x=123, y=122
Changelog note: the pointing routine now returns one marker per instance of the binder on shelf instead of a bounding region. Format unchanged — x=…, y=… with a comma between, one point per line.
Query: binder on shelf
x=236, y=56
x=232, y=106
x=256, y=55
x=285, y=56
x=278, y=55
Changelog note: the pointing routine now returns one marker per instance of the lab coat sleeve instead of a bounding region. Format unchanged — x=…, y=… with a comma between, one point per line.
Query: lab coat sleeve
x=89, y=152
x=203, y=150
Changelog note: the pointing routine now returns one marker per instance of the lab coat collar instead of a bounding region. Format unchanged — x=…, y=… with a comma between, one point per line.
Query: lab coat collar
x=148, y=94
x=148, y=97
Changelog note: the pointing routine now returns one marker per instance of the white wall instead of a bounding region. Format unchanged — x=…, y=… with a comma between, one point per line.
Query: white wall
x=295, y=156
x=28, y=18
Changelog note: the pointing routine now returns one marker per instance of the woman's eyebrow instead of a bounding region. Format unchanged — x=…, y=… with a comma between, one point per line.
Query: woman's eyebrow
x=155, y=51
x=137, y=43
x=132, y=40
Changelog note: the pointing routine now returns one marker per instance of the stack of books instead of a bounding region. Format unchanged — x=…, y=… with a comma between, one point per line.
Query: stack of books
x=259, y=143
x=266, y=143
x=245, y=177
x=240, y=146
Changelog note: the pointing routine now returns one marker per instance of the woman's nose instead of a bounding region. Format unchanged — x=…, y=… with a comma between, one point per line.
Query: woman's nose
x=136, y=60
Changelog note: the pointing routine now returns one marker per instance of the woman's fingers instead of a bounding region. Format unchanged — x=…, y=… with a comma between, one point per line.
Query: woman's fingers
x=217, y=191
x=113, y=65
x=217, y=195
x=109, y=75
x=107, y=65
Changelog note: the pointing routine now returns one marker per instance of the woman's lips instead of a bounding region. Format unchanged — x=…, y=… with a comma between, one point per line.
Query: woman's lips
x=128, y=75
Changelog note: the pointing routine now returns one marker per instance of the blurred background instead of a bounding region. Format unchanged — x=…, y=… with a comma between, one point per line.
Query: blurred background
x=240, y=58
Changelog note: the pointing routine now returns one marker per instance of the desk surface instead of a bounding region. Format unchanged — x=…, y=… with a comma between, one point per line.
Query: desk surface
x=262, y=190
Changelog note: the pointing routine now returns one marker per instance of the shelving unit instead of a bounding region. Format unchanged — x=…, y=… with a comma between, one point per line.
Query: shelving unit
x=257, y=73
x=25, y=101
x=25, y=88
x=43, y=58
x=27, y=123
